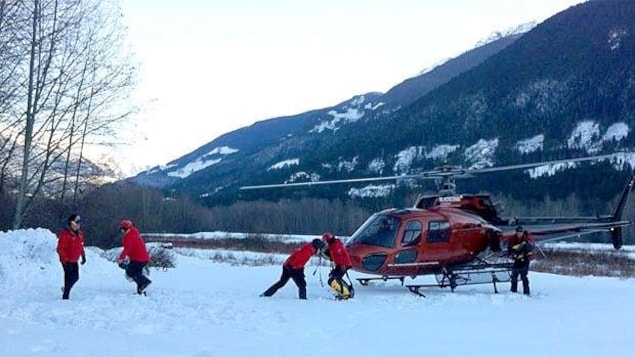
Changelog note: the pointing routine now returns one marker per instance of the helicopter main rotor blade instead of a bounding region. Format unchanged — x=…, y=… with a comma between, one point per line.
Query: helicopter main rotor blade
x=536, y=164
x=443, y=172
x=314, y=183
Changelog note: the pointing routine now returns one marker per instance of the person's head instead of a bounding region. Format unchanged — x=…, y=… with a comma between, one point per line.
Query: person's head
x=74, y=221
x=125, y=225
x=520, y=232
x=328, y=237
x=318, y=244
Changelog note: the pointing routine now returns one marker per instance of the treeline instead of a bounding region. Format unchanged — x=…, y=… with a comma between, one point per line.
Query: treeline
x=154, y=212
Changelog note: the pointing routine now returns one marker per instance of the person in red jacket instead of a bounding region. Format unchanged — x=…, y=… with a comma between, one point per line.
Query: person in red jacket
x=293, y=268
x=134, y=249
x=70, y=247
x=336, y=252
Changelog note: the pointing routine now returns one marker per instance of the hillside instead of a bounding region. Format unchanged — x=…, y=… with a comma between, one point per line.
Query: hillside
x=563, y=89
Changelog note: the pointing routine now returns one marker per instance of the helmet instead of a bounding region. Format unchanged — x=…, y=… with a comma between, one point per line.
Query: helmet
x=327, y=237
x=520, y=229
x=318, y=244
x=125, y=224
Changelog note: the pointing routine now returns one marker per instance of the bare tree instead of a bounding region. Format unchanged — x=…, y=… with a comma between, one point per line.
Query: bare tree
x=74, y=80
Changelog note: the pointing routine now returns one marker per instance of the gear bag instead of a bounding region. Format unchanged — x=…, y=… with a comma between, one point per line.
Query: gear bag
x=342, y=289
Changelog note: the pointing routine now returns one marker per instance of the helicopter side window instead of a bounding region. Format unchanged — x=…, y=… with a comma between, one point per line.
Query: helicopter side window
x=438, y=231
x=412, y=233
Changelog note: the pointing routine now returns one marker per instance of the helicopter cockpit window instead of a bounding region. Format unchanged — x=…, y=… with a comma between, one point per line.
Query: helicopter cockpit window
x=438, y=231
x=412, y=233
x=379, y=230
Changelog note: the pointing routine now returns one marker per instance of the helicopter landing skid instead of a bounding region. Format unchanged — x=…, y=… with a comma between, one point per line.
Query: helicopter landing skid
x=479, y=273
x=364, y=281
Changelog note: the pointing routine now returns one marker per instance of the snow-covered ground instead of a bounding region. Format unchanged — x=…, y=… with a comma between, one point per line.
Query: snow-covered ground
x=203, y=308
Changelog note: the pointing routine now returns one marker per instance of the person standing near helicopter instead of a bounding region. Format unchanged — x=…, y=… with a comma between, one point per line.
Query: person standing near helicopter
x=336, y=252
x=520, y=248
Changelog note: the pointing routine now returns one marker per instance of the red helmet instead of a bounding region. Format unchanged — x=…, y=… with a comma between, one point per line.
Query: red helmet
x=327, y=237
x=125, y=224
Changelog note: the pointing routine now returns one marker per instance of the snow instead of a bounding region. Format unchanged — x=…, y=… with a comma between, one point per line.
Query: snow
x=405, y=158
x=202, y=162
x=497, y=35
x=193, y=167
x=205, y=308
x=351, y=114
x=283, y=164
x=616, y=37
x=349, y=165
x=616, y=131
x=530, y=145
x=441, y=152
x=377, y=165
x=371, y=191
x=481, y=154
x=583, y=135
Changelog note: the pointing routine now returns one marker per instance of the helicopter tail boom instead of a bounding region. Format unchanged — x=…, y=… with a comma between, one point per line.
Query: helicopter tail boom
x=565, y=227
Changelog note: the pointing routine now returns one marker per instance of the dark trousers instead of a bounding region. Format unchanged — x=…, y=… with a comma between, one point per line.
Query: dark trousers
x=135, y=271
x=520, y=267
x=71, y=275
x=289, y=273
x=338, y=272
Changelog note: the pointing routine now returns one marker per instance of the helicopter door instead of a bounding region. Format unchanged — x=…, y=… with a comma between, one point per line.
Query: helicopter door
x=411, y=237
x=437, y=241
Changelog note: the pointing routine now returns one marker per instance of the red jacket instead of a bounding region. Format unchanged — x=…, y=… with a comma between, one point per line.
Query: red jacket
x=339, y=253
x=298, y=259
x=70, y=245
x=134, y=247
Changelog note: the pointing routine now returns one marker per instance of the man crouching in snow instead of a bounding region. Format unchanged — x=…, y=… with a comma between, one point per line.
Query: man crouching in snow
x=134, y=248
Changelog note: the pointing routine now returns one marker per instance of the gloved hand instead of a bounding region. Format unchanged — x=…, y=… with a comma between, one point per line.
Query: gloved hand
x=83, y=260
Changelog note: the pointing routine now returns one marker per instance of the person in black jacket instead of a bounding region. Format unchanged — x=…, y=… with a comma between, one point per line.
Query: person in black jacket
x=520, y=248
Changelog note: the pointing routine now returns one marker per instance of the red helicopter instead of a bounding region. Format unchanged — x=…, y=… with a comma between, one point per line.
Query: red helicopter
x=458, y=238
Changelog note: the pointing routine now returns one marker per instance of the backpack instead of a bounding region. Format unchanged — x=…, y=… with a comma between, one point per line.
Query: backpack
x=341, y=289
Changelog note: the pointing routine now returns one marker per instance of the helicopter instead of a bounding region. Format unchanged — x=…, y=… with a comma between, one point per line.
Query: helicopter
x=458, y=238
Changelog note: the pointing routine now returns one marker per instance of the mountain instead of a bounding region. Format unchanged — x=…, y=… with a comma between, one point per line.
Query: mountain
x=51, y=169
x=288, y=131
x=564, y=88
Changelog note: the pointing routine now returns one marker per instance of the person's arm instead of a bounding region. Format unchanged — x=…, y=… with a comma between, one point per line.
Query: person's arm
x=125, y=251
x=61, y=247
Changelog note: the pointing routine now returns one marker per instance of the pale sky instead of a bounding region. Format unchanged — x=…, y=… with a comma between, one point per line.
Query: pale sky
x=209, y=67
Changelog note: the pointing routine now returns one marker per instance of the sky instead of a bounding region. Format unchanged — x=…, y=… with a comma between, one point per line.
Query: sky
x=206, y=308
x=210, y=67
